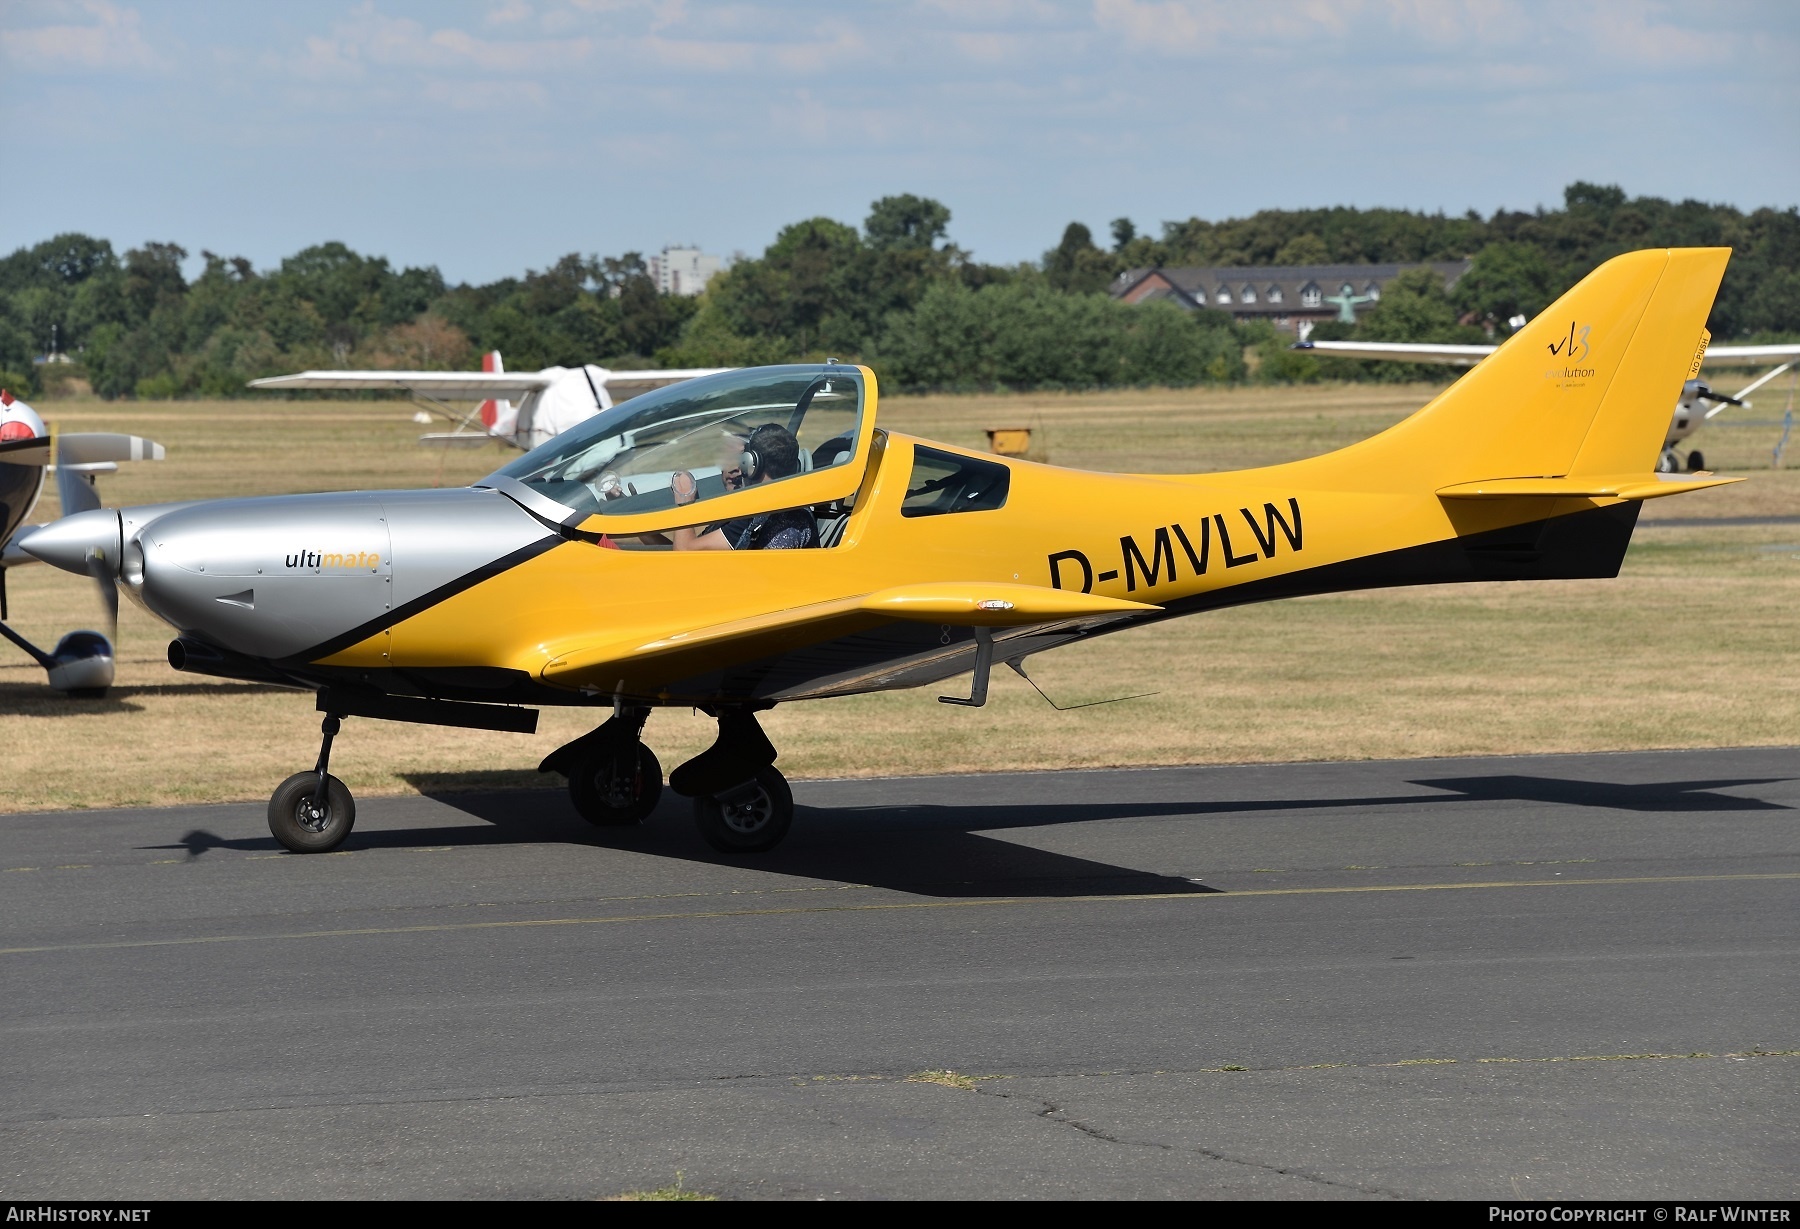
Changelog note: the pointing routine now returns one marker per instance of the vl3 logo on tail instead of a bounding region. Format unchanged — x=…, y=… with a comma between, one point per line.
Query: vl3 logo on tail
x=1573, y=348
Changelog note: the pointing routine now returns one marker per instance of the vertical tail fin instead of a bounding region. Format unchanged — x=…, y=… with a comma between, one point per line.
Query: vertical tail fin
x=1586, y=388
x=490, y=410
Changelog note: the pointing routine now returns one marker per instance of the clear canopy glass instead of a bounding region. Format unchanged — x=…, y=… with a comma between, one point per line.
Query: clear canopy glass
x=804, y=417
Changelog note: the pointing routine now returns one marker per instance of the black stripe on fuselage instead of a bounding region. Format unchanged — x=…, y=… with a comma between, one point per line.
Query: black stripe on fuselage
x=1585, y=545
x=468, y=580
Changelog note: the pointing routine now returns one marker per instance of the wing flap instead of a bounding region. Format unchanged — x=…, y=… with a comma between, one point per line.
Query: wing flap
x=993, y=605
x=959, y=604
x=1585, y=486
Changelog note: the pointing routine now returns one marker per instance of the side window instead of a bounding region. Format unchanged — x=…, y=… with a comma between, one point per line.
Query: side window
x=943, y=482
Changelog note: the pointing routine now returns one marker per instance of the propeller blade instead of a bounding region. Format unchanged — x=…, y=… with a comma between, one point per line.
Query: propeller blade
x=1709, y=395
x=101, y=569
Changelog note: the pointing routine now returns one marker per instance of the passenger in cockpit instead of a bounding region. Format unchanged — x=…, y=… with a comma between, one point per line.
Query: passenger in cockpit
x=772, y=452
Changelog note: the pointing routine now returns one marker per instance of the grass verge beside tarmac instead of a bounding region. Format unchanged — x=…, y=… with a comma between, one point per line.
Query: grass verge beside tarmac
x=1692, y=646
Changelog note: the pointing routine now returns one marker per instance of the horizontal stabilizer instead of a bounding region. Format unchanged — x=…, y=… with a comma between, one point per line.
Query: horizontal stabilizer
x=1585, y=486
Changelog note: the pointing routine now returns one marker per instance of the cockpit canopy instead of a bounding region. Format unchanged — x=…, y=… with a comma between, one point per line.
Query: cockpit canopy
x=730, y=431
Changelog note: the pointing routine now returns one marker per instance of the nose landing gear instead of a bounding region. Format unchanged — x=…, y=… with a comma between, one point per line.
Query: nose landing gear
x=312, y=812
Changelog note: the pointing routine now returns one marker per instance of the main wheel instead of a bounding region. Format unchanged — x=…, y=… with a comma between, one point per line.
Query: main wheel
x=1668, y=462
x=615, y=786
x=751, y=818
x=1696, y=461
x=303, y=826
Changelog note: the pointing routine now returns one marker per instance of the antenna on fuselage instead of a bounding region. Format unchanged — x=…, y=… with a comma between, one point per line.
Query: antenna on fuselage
x=1018, y=668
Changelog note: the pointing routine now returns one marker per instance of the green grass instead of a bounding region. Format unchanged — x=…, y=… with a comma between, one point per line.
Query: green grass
x=676, y=1191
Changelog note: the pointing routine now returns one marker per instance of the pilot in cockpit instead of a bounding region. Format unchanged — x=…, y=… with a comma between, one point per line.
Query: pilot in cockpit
x=770, y=453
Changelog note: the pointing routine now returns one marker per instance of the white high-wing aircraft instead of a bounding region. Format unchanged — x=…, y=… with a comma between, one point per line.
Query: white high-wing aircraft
x=81, y=664
x=549, y=401
x=1685, y=420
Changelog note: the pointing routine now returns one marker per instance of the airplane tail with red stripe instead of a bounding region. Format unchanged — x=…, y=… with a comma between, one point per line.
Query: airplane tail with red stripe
x=491, y=412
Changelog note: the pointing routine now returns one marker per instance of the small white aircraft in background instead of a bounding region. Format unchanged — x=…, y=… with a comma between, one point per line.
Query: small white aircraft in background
x=81, y=664
x=549, y=401
x=1683, y=423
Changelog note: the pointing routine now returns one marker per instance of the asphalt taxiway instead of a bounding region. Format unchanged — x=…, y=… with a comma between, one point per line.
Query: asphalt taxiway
x=1528, y=977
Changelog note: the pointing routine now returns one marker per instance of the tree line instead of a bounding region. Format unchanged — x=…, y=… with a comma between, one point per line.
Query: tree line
x=897, y=293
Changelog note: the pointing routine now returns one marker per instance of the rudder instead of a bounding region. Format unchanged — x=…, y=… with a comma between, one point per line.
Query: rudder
x=1632, y=422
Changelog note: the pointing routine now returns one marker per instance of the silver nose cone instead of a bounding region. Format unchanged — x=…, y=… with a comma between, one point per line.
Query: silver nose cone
x=69, y=543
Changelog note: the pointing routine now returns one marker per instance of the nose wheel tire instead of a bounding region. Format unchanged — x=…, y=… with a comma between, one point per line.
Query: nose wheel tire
x=301, y=823
x=615, y=786
x=749, y=818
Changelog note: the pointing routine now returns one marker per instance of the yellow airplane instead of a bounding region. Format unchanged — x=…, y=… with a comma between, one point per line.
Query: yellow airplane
x=641, y=559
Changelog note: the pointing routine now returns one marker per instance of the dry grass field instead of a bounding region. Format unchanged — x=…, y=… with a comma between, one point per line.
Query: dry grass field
x=1693, y=645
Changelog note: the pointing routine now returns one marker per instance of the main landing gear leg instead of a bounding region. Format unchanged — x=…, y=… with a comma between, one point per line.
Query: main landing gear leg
x=614, y=779
x=312, y=812
x=742, y=803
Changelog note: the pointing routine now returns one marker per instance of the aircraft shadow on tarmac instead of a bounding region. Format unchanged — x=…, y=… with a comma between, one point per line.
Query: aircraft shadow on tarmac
x=939, y=849
x=34, y=699
x=1656, y=796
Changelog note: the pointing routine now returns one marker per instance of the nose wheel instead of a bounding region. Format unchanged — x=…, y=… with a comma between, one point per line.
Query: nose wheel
x=312, y=812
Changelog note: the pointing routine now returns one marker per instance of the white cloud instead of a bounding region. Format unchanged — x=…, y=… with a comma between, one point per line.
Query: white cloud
x=110, y=37
x=508, y=12
x=371, y=38
x=1189, y=27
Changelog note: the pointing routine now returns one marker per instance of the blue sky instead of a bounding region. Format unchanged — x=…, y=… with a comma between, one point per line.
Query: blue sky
x=491, y=136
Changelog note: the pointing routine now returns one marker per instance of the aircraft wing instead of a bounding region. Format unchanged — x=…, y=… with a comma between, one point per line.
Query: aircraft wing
x=1753, y=355
x=468, y=385
x=961, y=604
x=1468, y=356
x=463, y=384
x=662, y=375
x=1399, y=351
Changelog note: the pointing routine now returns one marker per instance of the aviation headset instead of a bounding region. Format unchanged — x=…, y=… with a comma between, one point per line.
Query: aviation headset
x=752, y=463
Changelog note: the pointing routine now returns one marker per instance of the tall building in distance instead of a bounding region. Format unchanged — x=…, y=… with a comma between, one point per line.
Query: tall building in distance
x=683, y=270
